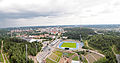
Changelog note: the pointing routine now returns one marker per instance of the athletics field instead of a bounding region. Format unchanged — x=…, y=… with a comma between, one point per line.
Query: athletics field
x=69, y=45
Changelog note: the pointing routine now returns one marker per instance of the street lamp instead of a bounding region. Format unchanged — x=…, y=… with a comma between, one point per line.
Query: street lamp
x=80, y=37
x=26, y=53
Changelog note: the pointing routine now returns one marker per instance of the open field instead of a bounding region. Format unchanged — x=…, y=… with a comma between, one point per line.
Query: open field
x=70, y=54
x=56, y=55
x=75, y=58
x=96, y=56
x=49, y=61
x=92, y=57
x=69, y=45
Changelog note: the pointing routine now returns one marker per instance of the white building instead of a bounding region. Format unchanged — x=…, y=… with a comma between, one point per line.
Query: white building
x=75, y=61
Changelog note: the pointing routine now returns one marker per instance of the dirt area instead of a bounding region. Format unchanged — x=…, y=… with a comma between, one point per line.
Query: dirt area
x=33, y=58
x=92, y=57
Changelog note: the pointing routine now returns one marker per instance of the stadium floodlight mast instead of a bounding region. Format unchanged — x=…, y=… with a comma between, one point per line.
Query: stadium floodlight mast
x=80, y=38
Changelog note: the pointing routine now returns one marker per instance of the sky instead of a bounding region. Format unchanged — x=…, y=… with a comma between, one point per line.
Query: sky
x=19, y=13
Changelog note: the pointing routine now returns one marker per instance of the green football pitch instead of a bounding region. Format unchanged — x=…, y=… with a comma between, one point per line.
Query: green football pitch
x=69, y=45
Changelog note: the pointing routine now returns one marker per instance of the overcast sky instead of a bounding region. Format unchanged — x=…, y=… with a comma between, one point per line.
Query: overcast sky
x=14, y=13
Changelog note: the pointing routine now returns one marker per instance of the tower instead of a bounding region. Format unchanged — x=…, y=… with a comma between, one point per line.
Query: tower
x=80, y=38
x=11, y=33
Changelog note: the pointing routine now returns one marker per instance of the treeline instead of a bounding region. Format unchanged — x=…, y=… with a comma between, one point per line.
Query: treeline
x=113, y=33
x=104, y=43
x=15, y=49
x=74, y=33
x=3, y=32
x=37, y=33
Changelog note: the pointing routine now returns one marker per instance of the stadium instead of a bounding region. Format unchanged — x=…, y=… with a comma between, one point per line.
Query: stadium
x=69, y=45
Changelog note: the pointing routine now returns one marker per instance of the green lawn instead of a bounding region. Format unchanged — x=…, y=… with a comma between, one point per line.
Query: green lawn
x=68, y=54
x=69, y=45
x=49, y=61
x=75, y=58
x=56, y=56
x=58, y=53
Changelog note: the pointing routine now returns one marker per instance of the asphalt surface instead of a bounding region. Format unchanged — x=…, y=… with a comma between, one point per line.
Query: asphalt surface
x=118, y=58
x=46, y=51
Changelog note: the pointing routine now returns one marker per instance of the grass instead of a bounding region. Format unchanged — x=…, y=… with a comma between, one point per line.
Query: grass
x=5, y=59
x=58, y=53
x=90, y=59
x=54, y=57
x=58, y=59
x=49, y=61
x=70, y=54
x=85, y=61
x=96, y=56
x=87, y=45
x=1, y=58
x=115, y=50
x=75, y=58
x=69, y=45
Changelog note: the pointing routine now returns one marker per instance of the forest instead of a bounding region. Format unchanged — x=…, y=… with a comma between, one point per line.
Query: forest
x=16, y=49
x=74, y=33
x=105, y=43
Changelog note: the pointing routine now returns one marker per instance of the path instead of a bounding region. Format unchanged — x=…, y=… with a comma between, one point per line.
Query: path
x=93, y=51
x=96, y=52
x=6, y=58
x=86, y=42
x=2, y=52
x=113, y=50
x=33, y=58
x=117, y=55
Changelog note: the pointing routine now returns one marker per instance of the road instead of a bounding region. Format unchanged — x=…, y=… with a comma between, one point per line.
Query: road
x=47, y=50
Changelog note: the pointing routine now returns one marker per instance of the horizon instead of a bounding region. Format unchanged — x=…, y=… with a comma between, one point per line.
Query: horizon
x=60, y=25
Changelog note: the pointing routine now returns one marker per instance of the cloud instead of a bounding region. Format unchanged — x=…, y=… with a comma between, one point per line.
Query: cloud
x=58, y=12
x=25, y=14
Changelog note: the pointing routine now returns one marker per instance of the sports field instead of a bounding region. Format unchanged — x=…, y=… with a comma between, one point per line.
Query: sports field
x=69, y=45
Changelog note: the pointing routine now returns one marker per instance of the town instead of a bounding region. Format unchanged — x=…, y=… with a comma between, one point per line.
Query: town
x=57, y=44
